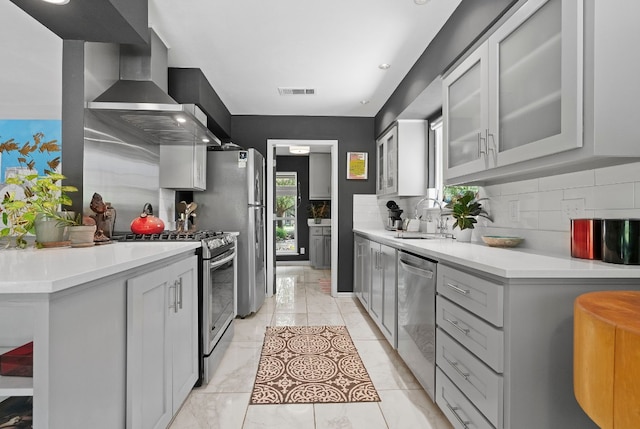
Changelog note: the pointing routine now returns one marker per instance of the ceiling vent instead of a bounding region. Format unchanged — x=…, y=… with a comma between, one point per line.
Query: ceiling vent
x=296, y=91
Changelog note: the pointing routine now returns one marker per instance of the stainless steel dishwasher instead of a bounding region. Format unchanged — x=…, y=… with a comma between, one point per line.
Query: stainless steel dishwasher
x=417, y=317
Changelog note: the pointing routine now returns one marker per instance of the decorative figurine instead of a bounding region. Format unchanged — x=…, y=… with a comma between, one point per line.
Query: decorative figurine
x=105, y=217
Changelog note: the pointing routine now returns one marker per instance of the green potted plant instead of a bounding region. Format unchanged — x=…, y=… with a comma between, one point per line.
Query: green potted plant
x=465, y=208
x=34, y=205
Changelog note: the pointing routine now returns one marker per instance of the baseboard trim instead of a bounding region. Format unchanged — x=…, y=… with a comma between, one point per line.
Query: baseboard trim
x=345, y=295
x=285, y=263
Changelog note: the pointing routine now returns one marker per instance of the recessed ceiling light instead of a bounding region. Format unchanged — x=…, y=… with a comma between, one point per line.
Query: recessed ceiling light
x=420, y=1
x=364, y=102
x=384, y=66
x=181, y=119
x=299, y=149
x=58, y=2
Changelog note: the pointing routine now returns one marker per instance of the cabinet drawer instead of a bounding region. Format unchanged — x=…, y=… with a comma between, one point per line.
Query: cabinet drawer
x=477, y=295
x=326, y=230
x=315, y=230
x=481, y=385
x=458, y=409
x=482, y=339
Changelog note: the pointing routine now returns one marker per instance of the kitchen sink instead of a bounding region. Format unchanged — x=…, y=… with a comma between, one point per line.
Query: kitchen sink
x=404, y=235
x=411, y=235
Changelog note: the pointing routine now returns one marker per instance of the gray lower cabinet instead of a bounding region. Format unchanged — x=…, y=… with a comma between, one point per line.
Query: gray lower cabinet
x=320, y=246
x=384, y=277
x=362, y=270
x=504, y=350
x=375, y=283
x=162, y=343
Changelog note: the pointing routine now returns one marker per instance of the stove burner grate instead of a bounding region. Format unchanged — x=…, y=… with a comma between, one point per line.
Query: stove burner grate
x=169, y=236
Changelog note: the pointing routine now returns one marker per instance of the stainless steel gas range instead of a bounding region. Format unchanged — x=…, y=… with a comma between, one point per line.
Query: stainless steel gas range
x=217, y=286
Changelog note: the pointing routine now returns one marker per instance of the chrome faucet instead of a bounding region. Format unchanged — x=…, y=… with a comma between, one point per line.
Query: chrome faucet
x=427, y=199
x=442, y=223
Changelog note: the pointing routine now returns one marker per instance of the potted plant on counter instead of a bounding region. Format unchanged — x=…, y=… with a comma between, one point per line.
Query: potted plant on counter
x=35, y=202
x=318, y=211
x=465, y=208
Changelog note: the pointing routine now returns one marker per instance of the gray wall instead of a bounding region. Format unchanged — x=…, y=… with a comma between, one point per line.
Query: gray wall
x=299, y=164
x=467, y=24
x=353, y=134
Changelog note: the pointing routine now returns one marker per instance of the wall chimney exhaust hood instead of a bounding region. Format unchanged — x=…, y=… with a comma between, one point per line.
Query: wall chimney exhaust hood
x=138, y=102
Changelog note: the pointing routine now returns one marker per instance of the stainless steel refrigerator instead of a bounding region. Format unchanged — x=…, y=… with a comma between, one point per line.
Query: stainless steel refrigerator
x=234, y=201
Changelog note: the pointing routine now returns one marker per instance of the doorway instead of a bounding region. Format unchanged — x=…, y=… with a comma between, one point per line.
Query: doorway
x=330, y=146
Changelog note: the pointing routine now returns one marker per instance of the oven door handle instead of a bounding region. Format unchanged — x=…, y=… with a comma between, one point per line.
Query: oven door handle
x=218, y=263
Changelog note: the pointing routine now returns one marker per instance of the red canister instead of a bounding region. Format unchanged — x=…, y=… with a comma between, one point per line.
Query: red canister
x=586, y=238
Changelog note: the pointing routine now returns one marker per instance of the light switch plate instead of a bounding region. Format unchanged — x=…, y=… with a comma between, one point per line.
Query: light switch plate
x=514, y=211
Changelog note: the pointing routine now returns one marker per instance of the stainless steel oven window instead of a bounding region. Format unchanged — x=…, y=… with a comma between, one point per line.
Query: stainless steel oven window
x=219, y=283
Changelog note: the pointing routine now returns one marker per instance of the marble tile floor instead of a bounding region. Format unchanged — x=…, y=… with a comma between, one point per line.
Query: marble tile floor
x=300, y=300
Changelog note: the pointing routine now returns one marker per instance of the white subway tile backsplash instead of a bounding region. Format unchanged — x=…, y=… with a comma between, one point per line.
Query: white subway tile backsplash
x=529, y=201
x=550, y=200
x=565, y=181
x=528, y=220
x=619, y=196
x=587, y=194
x=366, y=212
x=520, y=187
x=491, y=191
x=612, y=192
x=553, y=221
x=618, y=174
x=617, y=214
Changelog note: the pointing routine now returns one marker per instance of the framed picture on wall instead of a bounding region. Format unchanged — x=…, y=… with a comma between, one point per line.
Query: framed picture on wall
x=357, y=166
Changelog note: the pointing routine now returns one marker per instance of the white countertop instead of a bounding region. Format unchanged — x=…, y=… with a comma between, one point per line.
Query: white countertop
x=34, y=270
x=507, y=263
x=323, y=222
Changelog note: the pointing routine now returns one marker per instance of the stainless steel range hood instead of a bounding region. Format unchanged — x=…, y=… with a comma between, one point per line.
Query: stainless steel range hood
x=139, y=103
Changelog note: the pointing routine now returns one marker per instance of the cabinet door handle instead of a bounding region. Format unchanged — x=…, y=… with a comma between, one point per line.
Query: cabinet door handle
x=172, y=297
x=456, y=325
x=491, y=147
x=464, y=375
x=454, y=410
x=481, y=140
x=458, y=289
x=179, y=281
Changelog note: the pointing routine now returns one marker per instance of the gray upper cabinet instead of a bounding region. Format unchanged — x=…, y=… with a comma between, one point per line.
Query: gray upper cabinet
x=319, y=176
x=183, y=167
x=536, y=97
x=404, y=144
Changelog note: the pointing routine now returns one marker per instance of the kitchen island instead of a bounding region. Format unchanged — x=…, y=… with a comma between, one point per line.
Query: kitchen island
x=73, y=304
x=502, y=334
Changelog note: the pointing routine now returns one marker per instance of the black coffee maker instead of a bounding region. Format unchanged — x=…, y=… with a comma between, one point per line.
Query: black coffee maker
x=394, y=221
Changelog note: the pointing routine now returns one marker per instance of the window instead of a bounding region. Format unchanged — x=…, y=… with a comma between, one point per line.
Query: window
x=439, y=191
x=287, y=202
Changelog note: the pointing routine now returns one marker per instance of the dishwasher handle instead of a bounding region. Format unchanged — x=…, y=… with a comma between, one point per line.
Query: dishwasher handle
x=416, y=270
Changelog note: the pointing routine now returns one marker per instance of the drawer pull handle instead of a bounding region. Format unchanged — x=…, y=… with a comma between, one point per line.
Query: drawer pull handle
x=455, y=366
x=458, y=289
x=457, y=326
x=454, y=410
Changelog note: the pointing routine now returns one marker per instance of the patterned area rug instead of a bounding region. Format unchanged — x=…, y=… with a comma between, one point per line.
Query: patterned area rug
x=311, y=364
x=325, y=285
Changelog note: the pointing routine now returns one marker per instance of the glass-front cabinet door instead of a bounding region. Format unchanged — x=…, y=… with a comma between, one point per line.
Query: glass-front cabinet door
x=465, y=117
x=387, y=163
x=535, y=73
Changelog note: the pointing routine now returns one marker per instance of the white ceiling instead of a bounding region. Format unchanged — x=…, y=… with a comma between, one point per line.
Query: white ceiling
x=247, y=49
